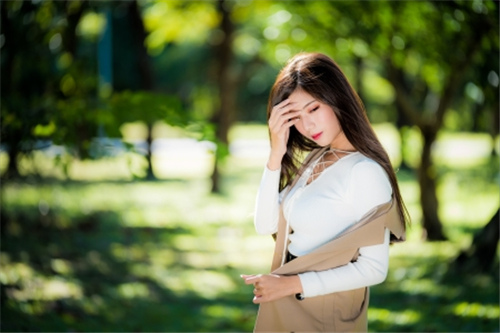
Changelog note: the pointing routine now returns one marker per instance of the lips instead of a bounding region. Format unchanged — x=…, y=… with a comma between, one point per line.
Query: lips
x=316, y=136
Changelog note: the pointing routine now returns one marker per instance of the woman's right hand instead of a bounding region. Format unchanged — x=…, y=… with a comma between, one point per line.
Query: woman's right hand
x=281, y=119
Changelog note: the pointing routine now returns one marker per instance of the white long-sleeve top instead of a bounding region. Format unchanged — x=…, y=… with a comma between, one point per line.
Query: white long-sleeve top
x=319, y=211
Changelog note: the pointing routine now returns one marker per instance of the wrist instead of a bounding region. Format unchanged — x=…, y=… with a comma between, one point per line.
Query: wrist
x=274, y=163
x=295, y=286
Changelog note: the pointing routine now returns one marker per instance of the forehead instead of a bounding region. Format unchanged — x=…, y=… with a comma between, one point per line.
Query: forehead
x=300, y=95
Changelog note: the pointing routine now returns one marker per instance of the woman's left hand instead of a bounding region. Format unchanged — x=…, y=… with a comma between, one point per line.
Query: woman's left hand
x=270, y=287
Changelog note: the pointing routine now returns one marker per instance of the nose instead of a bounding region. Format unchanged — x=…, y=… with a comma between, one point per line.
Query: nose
x=308, y=123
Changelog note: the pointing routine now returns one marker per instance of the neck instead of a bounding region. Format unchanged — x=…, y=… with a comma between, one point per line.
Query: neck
x=340, y=143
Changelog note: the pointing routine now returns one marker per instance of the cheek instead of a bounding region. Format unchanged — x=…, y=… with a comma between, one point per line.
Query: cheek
x=333, y=121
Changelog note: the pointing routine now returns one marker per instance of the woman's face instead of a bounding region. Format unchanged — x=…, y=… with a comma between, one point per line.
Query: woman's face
x=317, y=121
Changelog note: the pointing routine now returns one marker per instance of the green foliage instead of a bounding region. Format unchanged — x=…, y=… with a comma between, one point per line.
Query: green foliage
x=150, y=107
x=49, y=94
x=49, y=61
x=189, y=22
x=421, y=38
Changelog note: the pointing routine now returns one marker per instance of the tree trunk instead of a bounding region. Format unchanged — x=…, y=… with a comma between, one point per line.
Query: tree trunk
x=432, y=227
x=145, y=73
x=139, y=36
x=358, y=78
x=13, y=138
x=149, y=154
x=224, y=116
x=480, y=256
x=402, y=123
x=73, y=16
x=12, y=171
x=431, y=123
x=495, y=124
x=427, y=180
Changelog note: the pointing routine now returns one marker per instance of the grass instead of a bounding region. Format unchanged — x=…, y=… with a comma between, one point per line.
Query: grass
x=122, y=255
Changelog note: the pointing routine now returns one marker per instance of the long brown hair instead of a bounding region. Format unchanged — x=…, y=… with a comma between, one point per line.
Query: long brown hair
x=322, y=78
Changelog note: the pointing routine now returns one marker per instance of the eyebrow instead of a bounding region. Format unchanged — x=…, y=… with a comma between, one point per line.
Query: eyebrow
x=306, y=105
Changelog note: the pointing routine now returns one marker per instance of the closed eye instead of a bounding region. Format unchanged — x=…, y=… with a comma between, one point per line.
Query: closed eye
x=314, y=108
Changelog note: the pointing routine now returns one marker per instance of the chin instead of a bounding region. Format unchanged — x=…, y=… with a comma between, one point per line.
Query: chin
x=323, y=144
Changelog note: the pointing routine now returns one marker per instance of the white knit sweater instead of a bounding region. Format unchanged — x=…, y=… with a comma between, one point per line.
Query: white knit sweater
x=317, y=212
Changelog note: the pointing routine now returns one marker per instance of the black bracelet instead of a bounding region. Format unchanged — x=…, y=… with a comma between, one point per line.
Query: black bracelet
x=299, y=297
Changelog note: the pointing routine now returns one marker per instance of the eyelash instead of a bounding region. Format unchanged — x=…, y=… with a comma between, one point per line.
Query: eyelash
x=312, y=110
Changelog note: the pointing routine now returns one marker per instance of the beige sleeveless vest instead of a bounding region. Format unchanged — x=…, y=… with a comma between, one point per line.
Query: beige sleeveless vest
x=337, y=312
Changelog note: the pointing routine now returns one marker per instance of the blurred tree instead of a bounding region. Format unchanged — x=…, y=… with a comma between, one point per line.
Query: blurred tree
x=224, y=116
x=196, y=45
x=425, y=96
x=51, y=94
x=45, y=94
x=480, y=256
x=14, y=125
x=135, y=97
x=149, y=107
x=428, y=51
x=133, y=40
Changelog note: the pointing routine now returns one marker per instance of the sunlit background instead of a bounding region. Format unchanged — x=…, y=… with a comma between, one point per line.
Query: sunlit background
x=134, y=137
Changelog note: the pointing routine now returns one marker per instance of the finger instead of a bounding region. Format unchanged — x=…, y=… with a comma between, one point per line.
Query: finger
x=285, y=112
x=291, y=122
x=293, y=114
x=252, y=279
x=285, y=126
x=282, y=104
x=281, y=108
x=246, y=278
x=284, y=121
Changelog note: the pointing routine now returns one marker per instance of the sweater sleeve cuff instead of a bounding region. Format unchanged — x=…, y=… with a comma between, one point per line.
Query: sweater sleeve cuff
x=270, y=179
x=269, y=171
x=311, y=284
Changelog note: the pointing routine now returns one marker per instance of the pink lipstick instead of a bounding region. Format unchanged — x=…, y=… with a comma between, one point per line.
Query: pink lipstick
x=316, y=136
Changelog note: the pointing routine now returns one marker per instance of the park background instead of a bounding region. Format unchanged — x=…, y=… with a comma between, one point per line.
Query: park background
x=133, y=138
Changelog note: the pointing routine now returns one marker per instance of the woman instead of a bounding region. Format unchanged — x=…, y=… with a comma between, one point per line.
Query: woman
x=334, y=212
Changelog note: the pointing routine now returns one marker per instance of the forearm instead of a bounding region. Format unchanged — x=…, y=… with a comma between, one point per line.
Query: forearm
x=282, y=117
x=267, y=203
x=274, y=161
